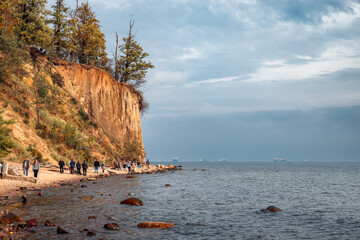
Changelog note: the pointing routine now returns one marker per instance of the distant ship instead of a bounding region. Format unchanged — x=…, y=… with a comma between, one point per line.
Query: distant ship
x=175, y=159
x=279, y=160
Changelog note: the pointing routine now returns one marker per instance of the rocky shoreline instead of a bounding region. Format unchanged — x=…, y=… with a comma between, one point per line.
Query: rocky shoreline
x=16, y=192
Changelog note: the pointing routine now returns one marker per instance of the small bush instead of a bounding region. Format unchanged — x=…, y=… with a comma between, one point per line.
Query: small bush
x=83, y=114
x=74, y=101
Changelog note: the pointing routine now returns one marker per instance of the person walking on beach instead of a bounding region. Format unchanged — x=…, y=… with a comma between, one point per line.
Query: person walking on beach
x=78, y=167
x=138, y=163
x=36, y=168
x=84, y=167
x=96, y=165
x=26, y=166
x=1, y=169
x=103, y=166
x=61, y=165
x=72, y=166
x=129, y=164
x=148, y=163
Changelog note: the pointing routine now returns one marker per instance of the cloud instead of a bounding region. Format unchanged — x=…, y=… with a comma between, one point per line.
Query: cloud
x=168, y=77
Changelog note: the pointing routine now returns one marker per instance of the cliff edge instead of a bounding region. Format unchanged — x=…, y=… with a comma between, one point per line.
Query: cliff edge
x=112, y=105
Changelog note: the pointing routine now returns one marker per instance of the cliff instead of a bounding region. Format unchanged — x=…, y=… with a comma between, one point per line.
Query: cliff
x=112, y=105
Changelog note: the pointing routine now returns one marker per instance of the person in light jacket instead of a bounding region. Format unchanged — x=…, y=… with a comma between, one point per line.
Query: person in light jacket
x=36, y=168
x=103, y=166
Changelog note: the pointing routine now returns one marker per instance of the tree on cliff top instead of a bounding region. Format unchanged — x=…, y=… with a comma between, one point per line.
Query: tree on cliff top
x=32, y=28
x=130, y=65
x=89, y=37
x=61, y=31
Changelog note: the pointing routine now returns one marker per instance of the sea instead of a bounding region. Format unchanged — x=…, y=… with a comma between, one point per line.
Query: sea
x=210, y=201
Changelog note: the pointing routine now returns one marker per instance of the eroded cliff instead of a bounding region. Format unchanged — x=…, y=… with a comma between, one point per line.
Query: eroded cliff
x=112, y=105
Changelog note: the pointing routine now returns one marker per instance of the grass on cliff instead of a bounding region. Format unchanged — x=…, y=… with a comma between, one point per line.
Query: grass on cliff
x=47, y=109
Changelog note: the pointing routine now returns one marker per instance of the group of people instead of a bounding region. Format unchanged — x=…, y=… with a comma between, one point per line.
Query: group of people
x=117, y=165
x=129, y=166
x=26, y=166
x=84, y=166
x=72, y=166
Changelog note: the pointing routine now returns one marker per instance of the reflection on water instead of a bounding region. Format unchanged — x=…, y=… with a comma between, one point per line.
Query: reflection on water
x=223, y=202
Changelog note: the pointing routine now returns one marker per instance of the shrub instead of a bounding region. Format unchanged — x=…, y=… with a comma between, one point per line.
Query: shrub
x=83, y=114
x=5, y=141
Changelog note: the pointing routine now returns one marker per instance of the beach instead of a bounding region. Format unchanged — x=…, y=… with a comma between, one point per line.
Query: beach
x=50, y=176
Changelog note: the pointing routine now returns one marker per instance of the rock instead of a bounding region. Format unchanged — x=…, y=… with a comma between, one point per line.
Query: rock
x=23, y=188
x=23, y=225
x=10, y=217
x=91, y=179
x=83, y=186
x=24, y=199
x=274, y=209
x=59, y=230
x=195, y=169
x=91, y=234
x=112, y=226
x=132, y=201
x=155, y=225
x=57, y=186
x=167, y=185
x=171, y=167
x=40, y=193
x=131, y=176
x=32, y=222
x=203, y=170
x=48, y=223
x=87, y=198
x=92, y=217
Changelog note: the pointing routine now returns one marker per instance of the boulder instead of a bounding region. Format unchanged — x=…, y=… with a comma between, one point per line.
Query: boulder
x=274, y=209
x=59, y=230
x=92, y=217
x=131, y=176
x=9, y=217
x=167, y=185
x=91, y=234
x=112, y=226
x=48, y=223
x=23, y=225
x=155, y=225
x=132, y=201
x=171, y=167
x=32, y=222
x=83, y=186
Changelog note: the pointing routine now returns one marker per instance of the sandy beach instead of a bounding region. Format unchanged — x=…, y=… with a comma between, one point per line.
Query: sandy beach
x=51, y=177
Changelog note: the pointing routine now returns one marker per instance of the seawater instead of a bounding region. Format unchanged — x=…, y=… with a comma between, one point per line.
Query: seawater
x=320, y=201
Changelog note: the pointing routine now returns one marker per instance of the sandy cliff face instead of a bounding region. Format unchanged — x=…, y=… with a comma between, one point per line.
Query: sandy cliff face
x=112, y=105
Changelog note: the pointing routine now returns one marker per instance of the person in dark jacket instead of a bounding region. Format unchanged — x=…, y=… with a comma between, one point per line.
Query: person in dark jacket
x=61, y=165
x=1, y=170
x=96, y=165
x=72, y=166
x=78, y=166
x=26, y=166
x=84, y=167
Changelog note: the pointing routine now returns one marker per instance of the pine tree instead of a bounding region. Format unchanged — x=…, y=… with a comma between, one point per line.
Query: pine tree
x=61, y=31
x=32, y=28
x=90, y=38
x=131, y=65
x=8, y=18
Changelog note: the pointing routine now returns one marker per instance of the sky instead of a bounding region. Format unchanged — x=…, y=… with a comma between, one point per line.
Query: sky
x=246, y=80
